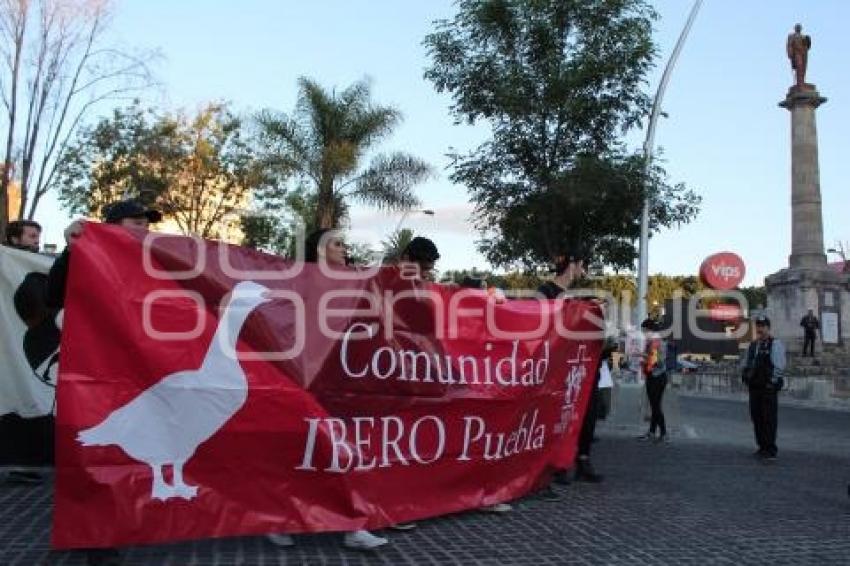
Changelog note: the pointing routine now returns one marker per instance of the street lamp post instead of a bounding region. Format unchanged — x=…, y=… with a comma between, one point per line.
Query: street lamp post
x=643, y=265
x=842, y=254
x=425, y=211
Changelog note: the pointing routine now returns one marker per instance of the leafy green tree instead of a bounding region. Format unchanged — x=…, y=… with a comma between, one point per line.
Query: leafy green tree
x=756, y=296
x=113, y=159
x=359, y=253
x=266, y=233
x=324, y=144
x=457, y=275
x=396, y=243
x=217, y=171
x=199, y=170
x=277, y=218
x=517, y=281
x=618, y=285
x=560, y=83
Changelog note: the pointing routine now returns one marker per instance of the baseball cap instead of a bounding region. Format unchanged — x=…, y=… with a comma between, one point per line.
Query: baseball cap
x=762, y=320
x=130, y=208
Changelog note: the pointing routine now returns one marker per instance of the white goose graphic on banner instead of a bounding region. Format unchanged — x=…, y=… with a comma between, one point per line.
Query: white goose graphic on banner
x=166, y=423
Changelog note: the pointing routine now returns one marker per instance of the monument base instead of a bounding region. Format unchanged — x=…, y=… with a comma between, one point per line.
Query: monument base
x=792, y=292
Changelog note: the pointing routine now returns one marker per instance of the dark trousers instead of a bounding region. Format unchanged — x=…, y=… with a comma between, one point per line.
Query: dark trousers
x=655, y=391
x=588, y=425
x=763, y=408
x=809, y=344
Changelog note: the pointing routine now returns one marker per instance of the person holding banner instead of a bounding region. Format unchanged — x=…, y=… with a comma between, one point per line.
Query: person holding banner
x=422, y=254
x=328, y=247
x=654, y=365
x=584, y=470
x=40, y=340
x=128, y=214
x=568, y=269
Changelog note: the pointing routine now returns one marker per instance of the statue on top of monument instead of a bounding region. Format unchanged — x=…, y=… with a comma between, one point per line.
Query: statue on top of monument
x=797, y=47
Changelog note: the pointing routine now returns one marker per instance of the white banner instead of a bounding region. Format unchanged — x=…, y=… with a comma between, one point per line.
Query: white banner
x=605, y=380
x=829, y=327
x=29, y=337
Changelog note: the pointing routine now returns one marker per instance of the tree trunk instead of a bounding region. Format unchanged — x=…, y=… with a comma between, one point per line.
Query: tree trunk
x=33, y=205
x=325, y=206
x=6, y=178
x=4, y=208
x=25, y=176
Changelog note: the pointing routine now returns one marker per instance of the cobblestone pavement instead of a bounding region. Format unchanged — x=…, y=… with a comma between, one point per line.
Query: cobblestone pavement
x=701, y=499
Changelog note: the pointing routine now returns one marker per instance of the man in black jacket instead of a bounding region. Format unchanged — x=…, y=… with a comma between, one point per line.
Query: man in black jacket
x=126, y=213
x=811, y=325
x=762, y=371
x=569, y=271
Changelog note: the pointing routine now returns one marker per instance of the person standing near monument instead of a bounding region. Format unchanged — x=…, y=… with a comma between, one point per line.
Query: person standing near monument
x=797, y=47
x=763, y=368
x=811, y=326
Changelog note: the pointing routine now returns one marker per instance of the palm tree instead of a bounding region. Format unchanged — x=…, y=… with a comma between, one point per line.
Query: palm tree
x=325, y=142
x=396, y=243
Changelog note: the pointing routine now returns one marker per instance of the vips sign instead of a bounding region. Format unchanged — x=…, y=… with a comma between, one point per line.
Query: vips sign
x=722, y=271
x=207, y=390
x=725, y=312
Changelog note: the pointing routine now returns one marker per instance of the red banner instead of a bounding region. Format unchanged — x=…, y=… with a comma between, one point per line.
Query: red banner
x=207, y=390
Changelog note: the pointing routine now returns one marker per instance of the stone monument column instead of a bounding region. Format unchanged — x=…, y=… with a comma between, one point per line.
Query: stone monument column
x=807, y=249
x=808, y=282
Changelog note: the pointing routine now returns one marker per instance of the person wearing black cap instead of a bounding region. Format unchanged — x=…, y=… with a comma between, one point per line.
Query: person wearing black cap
x=127, y=213
x=763, y=368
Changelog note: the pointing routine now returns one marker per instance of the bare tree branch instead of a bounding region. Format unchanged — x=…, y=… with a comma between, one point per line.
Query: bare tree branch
x=58, y=46
x=17, y=13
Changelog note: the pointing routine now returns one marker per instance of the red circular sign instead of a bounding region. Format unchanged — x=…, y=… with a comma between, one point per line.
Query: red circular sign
x=722, y=271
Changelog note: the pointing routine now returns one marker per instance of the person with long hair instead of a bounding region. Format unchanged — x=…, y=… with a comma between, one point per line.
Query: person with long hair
x=654, y=365
x=327, y=246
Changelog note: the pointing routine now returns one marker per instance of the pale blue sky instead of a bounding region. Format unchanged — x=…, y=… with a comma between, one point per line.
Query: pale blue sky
x=725, y=136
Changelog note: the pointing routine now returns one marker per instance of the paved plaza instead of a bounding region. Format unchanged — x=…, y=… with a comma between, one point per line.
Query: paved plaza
x=702, y=499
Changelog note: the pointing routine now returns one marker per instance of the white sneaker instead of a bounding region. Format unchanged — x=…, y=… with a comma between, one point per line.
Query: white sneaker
x=280, y=539
x=497, y=508
x=363, y=540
